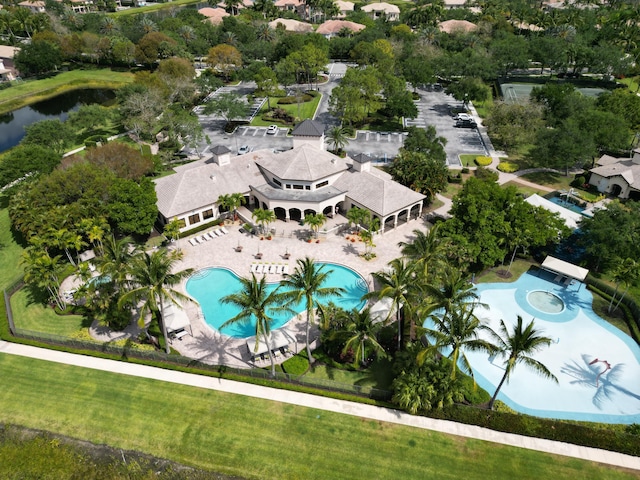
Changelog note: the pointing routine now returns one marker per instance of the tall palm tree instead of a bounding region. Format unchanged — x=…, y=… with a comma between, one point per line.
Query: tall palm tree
x=626, y=272
x=263, y=217
x=455, y=292
x=519, y=345
x=427, y=250
x=115, y=259
x=337, y=137
x=44, y=271
x=315, y=221
x=235, y=201
x=360, y=335
x=153, y=279
x=306, y=283
x=397, y=284
x=458, y=330
x=255, y=302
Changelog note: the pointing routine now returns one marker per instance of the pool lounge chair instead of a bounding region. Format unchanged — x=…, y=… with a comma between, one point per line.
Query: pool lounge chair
x=208, y=236
x=193, y=241
x=253, y=268
x=272, y=268
x=279, y=269
x=203, y=238
x=224, y=230
x=260, y=268
x=218, y=232
x=285, y=271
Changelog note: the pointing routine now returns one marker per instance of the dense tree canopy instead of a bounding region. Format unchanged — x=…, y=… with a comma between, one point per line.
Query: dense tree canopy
x=25, y=159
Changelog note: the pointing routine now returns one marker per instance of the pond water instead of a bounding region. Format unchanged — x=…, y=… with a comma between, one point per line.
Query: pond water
x=12, y=124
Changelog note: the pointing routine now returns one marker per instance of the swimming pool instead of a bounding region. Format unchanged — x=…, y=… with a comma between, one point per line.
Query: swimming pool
x=582, y=343
x=210, y=285
x=565, y=204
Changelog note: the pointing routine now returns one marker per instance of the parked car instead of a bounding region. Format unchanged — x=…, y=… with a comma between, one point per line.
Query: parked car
x=466, y=124
x=463, y=116
x=272, y=130
x=244, y=149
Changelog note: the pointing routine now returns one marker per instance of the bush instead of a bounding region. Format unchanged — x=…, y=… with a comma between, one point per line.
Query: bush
x=486, y=174
x=93, y=140
x=454, y=178
x=296, y=365
x=508, y=167
x=579, y=181
x=464, y=170
x=483, y=161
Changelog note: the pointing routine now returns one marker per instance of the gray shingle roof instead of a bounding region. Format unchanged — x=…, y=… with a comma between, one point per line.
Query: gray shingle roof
x=362, y=158
x=220, y=150
x=305, y=163
x=627, y=169
x=309, y=128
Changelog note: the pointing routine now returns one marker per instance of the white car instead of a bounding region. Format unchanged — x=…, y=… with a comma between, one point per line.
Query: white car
x=244, y=149
x=272, y=130
x=463, y=116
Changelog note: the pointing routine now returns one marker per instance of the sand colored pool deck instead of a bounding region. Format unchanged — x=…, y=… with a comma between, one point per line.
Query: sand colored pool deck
x=209, y=345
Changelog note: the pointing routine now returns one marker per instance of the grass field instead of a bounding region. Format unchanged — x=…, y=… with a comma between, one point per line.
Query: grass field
x=10, y=253
x=251, y=437
x=307, y=110
x=32, y=91
x=30, y=314
x=554, y=180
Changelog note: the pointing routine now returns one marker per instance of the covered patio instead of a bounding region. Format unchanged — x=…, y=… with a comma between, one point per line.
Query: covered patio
x=565, y=272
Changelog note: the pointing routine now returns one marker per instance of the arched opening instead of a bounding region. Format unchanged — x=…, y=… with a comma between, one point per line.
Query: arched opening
x=616, y=190
x=281, y=213
x=295, y=214
x=389, y=223
x=415, y=212
x=340, y=208
x=328, y=211
x=402, y=217
x=265, y=206
x=308, y=211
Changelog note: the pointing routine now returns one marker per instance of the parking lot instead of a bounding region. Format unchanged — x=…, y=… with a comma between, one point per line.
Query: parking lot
x=434, y=108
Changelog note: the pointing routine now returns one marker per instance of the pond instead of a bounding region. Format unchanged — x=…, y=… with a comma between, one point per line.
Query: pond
x=12, y=124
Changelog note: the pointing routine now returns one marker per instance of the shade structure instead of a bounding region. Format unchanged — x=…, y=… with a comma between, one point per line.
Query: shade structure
x=277, y=339
x=556, y=265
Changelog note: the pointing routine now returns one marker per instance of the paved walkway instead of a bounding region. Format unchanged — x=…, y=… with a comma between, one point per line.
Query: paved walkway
x=322, y=403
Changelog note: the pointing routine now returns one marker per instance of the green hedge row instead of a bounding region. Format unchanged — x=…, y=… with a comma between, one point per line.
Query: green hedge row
x=628, y=316
x=291, y=100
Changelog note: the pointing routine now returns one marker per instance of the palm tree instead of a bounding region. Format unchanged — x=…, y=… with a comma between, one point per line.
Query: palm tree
x=255, y=302
x=360, y=335
x=235, y=201
x=152, y=277
x=315, y=221
x=519, y=345
x=357, y=216
x=305, y=283
x=427, y=250
x=458, y=330
x=264, y=32
x=187, y=33
x=454, y=293
x=263, y=217
x=109, y=26
x=397, y=285
x=115, y=258
x=148, y=25
x=337, y=137
x=626, y=272
x=43, y=271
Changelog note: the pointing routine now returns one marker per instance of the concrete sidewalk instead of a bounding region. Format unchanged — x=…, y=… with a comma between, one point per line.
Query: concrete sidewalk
x=327, y=404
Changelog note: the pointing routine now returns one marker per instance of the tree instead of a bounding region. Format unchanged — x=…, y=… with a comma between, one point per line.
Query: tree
x=564, y=146
x=232, y=202
x=150, y=47
x=124, y=161
x=153, y=283
x=514, y=124
x=225, y=59
x=43, y=271
x=53, y=133
x=315, y=221
x=357, y=216
x=259, y=305
x=457, y=329
x=469, y=89
x=420, y=172
x=227, y=105
x=172, y=230
x=267, y=84
x=37, y=58
x=115, y=259
x=360, y=336
x=26, y=159
x=263, y=217
x=337, y=137
x=89, y=117
x=421, y=140
x=510, y=51
x=132, y=206
x=398, y=284
x=306, y=284
x=626, y=272
x=519, y=345
x=427, y=251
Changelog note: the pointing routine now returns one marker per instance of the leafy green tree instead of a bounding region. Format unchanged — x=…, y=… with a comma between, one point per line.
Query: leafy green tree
x=510, y=51
x=469, y=89
x=89, y=117
x=565, y=146
x=420, y=172
x=43, y=271
x=427, y=252
x=153, y=279
x=225, y=59
x=513, y=125
x=151, y=47
x=38, y=57
x=26, y=159
x=227, y=105
x=124, y=161
x=417, y=69
x=259, y=305
x=626, y=272
x=306, y=284
x=267, y=84
x=519, y=344
x=232, y=202
x=358, y=216
x=315, y=221
x=172, y=230
x=132, y=206
x=55, y=134
x=622, y=103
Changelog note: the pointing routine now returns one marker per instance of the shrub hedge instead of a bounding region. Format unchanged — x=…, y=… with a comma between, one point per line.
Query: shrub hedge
x=483, y=161
x=291, y=100
x=508, y=167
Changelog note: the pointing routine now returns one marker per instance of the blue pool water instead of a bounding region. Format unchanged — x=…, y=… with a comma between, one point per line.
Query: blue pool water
x=581, y=343
x=210, y=285
x=568, y=205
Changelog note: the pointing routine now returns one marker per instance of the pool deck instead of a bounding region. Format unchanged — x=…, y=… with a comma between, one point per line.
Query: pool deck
x=210, y=346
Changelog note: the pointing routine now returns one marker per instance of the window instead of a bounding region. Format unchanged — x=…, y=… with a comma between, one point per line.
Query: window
x=322, y=184
x=207, y=214
x=307, y=187
x=297, y=187
x=277, y=182
x=288, y=185
x=194, y=219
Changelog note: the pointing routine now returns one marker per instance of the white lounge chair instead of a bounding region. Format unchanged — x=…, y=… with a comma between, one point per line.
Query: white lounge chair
x=279, y=269
x=202, y=238
x=272, y=269
x=254, y=267
x=218, y=232
x=193, y=241
x=208, y=236
x=285, y=271
x=224, y=230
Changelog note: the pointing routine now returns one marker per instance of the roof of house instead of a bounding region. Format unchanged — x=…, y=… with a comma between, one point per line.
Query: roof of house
x=334, y=26
x=220, y=150
x=625, y=168
x=376, y=191
x=381, y=7
x=450, y=26
x=214, y=15
x=305, y=163
x=454, y=3
x=32, y=3
x=344, y=6
x=308, y=128
x=8, y=52
x=291, y=25
x=361, y=158
x=202, y=182
x=284, y=3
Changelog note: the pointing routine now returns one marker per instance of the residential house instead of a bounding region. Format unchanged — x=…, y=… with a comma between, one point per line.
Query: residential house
x=618, y=177
x=332, y=28
x=291, y=25
x=8, y=71
x=382, y=10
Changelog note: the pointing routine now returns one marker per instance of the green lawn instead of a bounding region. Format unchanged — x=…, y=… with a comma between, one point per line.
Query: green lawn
x=554, y=180
x=32, y=91
x=525, y=189
x=251, y=437
x=307, y=110
x=378, y=375
x=152, y=8
x=10, y=252
x=30, y=313
x=518, y=268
